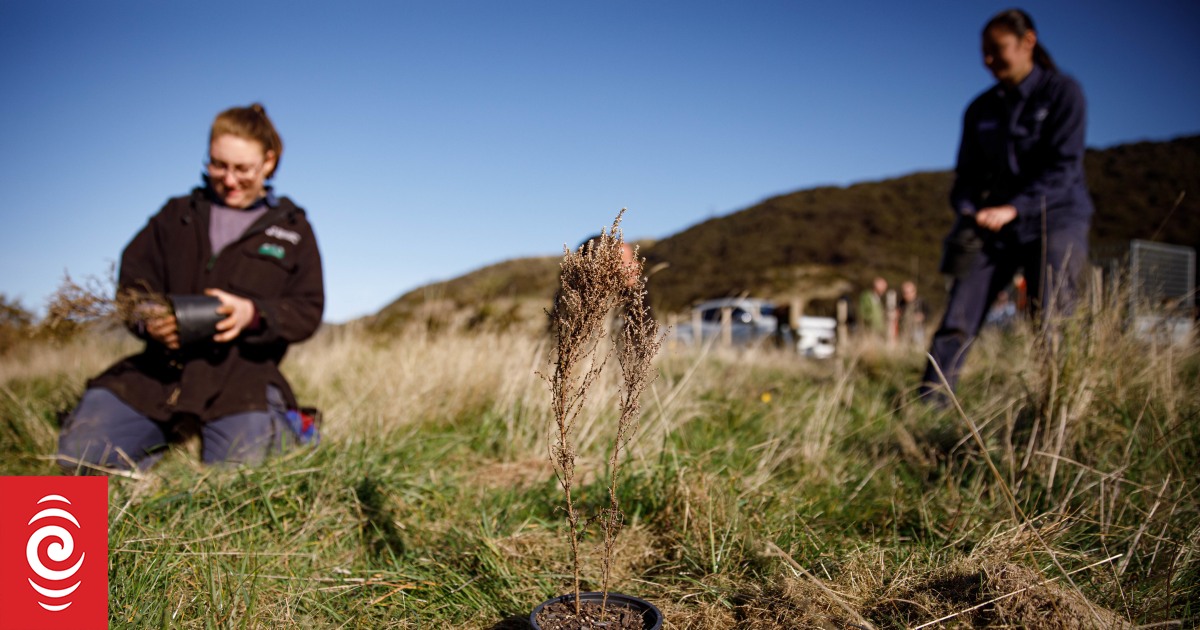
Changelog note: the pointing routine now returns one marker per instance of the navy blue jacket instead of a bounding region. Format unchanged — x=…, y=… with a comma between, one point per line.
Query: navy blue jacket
x=1024, y=146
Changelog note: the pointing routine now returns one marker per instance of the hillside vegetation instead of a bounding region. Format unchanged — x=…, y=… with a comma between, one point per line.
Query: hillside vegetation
x=820, y=242
x=895, y=228
x=494, y=297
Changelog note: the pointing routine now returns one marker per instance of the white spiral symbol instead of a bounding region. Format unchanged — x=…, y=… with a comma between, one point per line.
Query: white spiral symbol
x=59, y=551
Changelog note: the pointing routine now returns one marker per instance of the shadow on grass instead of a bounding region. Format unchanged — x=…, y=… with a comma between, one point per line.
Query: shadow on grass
x=379, y=526
x=513, y=622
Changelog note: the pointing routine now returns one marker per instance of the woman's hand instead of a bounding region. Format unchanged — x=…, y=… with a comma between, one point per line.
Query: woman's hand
x=240, y=312
x=161, y=325
x=995, y=217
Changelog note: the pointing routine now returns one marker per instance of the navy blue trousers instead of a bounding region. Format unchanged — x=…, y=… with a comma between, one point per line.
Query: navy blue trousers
x=105, y=431
x=1052, y=278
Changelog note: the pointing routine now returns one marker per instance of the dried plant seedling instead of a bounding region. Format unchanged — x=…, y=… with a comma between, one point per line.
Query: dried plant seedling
x=593, y=282
x=96, y=302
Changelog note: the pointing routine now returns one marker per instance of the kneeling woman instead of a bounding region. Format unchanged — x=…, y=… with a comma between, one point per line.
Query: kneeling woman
x=254, y=255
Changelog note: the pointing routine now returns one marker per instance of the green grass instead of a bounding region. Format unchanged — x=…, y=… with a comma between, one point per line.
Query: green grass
x=430, y=504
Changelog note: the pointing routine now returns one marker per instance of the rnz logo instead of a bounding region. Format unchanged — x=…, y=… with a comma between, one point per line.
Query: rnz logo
x=54, y=552
x=61, y=550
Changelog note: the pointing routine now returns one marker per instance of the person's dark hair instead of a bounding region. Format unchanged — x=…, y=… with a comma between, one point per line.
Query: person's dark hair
x=1018, y=23
x=595, y=237
x=250, y=123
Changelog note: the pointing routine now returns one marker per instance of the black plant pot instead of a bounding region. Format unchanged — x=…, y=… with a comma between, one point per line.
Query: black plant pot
x=961, y=247
x=651, y=617
x=196, y=317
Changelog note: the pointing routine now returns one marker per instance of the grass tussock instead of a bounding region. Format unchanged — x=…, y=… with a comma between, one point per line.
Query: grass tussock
x=762, y=491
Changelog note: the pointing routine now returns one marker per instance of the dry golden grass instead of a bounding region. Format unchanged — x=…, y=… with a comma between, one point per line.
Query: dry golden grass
x=739, y=450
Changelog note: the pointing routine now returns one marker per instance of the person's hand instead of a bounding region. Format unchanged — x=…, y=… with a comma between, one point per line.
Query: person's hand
x=240, y=314
x=161, y=325
x=995, y=217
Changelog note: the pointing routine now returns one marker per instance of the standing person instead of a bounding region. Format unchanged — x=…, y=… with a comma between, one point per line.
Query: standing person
x=1002, y=312
x=628, y=264
x=913, y=313
x=1019, y=191
x=254, y=255
x=871, y=308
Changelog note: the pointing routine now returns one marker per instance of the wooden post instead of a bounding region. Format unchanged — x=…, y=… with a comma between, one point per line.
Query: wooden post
x=1114, y=287
x=795, y=311
x=697, y=328
x=672, y=325
x=843, y=313
x=727, y=326
x=891, y=317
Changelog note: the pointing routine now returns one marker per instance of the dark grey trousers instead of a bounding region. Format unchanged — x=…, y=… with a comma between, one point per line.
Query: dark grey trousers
x=105, y=431
x=1051, y=274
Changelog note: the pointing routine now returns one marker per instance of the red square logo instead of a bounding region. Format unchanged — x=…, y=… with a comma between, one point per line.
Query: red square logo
x=53, y=552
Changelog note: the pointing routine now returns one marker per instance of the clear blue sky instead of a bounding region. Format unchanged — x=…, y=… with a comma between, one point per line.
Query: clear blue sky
x=427, y=139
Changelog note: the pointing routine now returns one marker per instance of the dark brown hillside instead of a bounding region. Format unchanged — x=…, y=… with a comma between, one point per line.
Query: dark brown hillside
x=895, y=227
x=494, y=296
x=479, y=292
x=819, y=242
x=892, y=227
x=1135, y=186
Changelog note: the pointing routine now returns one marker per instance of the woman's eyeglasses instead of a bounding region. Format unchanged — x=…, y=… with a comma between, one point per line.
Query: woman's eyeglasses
x=217, y=168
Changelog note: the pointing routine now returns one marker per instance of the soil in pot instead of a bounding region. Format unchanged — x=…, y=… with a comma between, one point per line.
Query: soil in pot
x=624, y=612
x=561, y=616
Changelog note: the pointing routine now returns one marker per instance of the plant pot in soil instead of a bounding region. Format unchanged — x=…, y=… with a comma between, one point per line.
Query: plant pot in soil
x=196, y=317
x=559, y=613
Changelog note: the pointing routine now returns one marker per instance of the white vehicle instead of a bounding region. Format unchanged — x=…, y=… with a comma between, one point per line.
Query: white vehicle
x=752, y=321
x=817, y=337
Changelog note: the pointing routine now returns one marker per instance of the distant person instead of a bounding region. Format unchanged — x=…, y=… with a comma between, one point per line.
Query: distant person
x=914, y=312
x=627, y=256
x=1019, y=191
x=255, y=257
x=628, y=261
x=1020, y=294
x=872, y=310
x=1003, y=312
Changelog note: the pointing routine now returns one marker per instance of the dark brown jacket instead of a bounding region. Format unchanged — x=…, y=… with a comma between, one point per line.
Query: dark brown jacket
x=275, y=263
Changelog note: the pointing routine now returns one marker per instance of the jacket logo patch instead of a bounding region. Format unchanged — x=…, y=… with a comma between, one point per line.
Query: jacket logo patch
x=284, y=235
x=272, y=250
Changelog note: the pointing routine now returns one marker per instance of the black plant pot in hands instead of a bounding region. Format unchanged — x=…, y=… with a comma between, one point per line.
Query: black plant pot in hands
x=652, y=618
x=961, y=247
x=196, y=317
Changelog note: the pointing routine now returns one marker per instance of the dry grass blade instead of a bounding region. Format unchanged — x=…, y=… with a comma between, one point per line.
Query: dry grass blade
x=115, y=472
x=774, y=550
x=1142, y=529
